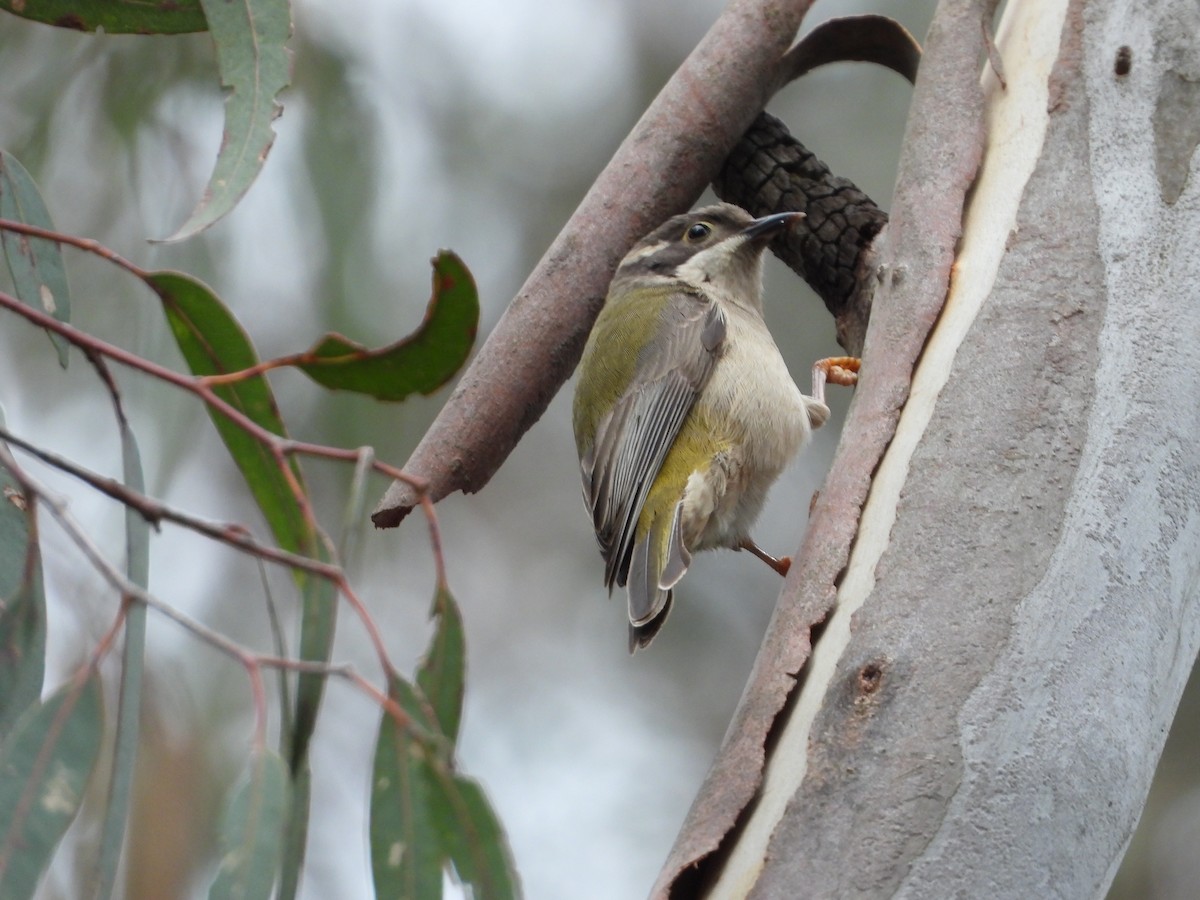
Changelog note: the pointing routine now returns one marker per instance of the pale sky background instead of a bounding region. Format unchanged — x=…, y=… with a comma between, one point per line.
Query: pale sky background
x=414, y=126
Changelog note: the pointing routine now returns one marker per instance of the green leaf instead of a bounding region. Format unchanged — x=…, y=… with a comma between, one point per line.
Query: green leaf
x=424, y=816
x=318, y=622
x=22, y=602
x=45, y=764
x=255, y=64
x=406, y=847
x=442, y=673
x=296, y=834
x=317, y=627
x=419, y=363
x=36, y=264
x=114, y=16
x=475, y=841
x=133, y=662
x=214, y=343
x=252, y=831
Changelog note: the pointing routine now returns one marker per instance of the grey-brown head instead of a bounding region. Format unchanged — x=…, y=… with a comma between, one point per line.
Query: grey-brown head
x=717, y=248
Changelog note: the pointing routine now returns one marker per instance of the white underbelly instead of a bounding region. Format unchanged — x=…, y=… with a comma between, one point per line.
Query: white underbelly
x=751, y=387
x=767, y=415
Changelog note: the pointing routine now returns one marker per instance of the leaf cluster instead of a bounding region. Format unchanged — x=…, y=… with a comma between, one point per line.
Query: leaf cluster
x=426, y=816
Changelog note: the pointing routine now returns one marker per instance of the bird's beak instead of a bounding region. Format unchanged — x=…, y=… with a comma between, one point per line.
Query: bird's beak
x=768, y=226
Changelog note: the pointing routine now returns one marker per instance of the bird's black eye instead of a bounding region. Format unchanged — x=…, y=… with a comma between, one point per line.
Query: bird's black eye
x=697, y=232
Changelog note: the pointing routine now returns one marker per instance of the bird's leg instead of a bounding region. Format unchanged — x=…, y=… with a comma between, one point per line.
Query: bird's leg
x=780, y=565
x=836, y=369
x=839, y=370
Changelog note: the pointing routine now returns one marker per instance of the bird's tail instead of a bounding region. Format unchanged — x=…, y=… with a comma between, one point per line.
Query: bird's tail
x=658, y=561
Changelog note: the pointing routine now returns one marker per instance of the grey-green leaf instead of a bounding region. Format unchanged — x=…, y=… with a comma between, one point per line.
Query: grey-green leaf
x=441, y=675
x=45, y=764
x=129, y=703
x=255, y=64
x=252, y=832
x=36, y=264
x=406, y=846
x=474, y=839
x=22, y=602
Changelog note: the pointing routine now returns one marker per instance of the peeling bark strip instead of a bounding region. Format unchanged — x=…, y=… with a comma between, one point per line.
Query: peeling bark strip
x=942, y=152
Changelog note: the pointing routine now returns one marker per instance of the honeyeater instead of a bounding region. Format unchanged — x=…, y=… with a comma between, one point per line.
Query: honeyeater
x=685, y=413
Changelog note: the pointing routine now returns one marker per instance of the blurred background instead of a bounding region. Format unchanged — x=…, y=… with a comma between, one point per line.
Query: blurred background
x=411, y=127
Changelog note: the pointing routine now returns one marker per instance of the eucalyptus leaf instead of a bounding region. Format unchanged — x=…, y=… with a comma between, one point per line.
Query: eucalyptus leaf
x=45, y=764
x=420, y=363
x=255, y=65
x=36, y=263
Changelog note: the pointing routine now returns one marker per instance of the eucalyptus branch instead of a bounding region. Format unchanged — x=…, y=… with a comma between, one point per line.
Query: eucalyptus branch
x=88, y=245
x=281, y=448
x=284, y=446
x=131, y=592
x=234, y=535
x=155, y=512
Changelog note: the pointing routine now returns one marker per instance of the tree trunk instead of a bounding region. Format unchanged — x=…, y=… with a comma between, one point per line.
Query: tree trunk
x=1017, y=611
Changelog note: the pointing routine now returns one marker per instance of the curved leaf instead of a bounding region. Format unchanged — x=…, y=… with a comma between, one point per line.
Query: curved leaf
x=36, y=264
x=867, y=38
x=45, y=764
x=255, y=64
x=114, y=16
x=420, y=363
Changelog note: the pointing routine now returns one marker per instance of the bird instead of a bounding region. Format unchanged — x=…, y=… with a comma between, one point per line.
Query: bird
x=684, y=411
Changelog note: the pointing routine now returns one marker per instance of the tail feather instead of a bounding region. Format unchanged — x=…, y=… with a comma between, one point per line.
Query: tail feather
x=656, y=564
x=640, y=636
x=646, y=598
x=677, y=557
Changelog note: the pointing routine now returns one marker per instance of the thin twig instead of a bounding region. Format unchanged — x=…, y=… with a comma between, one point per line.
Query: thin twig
x=248, y=659
x=435, y=541
x=234, y=535
x=254, y=371
x=86, y=244
x=281, y=446
x=155, y=512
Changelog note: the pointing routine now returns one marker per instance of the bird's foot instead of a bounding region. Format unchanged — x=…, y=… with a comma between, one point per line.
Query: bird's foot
x=841, y=370
x=780, y=564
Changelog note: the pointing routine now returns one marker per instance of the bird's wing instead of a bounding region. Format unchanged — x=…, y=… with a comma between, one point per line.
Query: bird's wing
x=633, y=440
